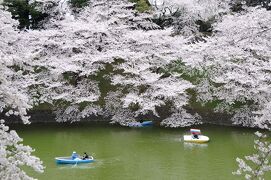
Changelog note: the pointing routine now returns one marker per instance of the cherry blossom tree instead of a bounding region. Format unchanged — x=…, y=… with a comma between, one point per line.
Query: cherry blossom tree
x=14, y=101
x=115, y=46
x=236, y=66
x=118, y=51
x=256, y=165
x=14, y=155
x=189, y=17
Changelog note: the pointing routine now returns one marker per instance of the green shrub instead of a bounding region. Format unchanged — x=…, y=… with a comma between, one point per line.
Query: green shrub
x=79, y=3
x=142, y=5
x=27, y=14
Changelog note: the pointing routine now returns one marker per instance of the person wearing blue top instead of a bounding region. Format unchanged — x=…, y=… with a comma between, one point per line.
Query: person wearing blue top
x=74, y=155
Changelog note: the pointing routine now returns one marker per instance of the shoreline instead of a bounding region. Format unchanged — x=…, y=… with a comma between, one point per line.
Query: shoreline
x=47, y=117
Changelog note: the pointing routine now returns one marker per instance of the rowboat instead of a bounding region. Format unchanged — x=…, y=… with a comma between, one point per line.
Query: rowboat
x=69, y=160
x=200, y=139
x=139, y=124
x=195, y=137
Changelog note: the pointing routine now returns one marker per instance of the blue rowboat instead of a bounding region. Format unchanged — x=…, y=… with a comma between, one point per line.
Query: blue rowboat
x=146, y=123
x=69, y=160
x=143, y=124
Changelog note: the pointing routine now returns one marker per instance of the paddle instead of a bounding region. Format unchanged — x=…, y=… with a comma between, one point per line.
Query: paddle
x=75, y=163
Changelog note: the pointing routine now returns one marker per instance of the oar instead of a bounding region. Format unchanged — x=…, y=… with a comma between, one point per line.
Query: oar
x=76, y=163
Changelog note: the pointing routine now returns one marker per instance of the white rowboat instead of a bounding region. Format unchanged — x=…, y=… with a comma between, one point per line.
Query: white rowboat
x=200, y=139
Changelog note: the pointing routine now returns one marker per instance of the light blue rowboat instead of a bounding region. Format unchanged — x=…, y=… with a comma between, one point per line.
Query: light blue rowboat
x=69, y=160
x=143, y=124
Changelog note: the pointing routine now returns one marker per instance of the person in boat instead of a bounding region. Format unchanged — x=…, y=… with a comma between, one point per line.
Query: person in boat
x=85, y=156
x=141, y=121
x=74, y=155
x=195, y=136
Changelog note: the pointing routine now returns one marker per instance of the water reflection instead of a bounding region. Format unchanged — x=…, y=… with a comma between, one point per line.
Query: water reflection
x=76, y=166
x=189, y=145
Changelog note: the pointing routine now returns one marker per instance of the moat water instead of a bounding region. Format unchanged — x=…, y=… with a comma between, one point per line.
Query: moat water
x=124, y=153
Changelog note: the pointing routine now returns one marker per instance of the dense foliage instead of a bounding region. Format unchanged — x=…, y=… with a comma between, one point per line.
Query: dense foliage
x=125, y=56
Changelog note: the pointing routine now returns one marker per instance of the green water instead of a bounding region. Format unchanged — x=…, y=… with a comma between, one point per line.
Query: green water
x=144, y=153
